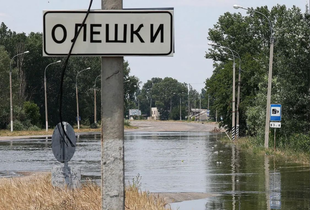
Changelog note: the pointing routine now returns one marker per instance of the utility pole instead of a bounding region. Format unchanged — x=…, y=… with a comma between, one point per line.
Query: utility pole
x=112, y=128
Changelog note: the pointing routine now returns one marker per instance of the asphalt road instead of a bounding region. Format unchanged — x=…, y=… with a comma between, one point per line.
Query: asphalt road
x=161, y=126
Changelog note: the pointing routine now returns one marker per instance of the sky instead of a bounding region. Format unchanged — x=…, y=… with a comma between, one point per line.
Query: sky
x=192, y=20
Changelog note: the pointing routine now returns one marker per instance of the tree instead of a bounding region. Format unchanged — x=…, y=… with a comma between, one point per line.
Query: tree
x=4, y=88
x=249, y=36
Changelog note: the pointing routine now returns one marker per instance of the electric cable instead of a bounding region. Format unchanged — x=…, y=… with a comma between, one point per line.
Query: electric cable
x=63, y=75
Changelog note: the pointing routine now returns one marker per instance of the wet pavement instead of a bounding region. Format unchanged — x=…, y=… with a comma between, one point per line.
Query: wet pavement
x=180, y=162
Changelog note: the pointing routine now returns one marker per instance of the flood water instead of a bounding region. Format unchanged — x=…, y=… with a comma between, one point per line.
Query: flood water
x=180, y=162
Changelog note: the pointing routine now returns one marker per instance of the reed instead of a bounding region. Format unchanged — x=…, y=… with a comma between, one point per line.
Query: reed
x=36, y=192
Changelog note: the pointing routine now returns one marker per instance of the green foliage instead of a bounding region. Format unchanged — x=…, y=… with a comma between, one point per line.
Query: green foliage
x=17, y=126
x=34, y=128
x=94, y=125
x=126, y=122
x=249, y=36
x=297, y=142
x=32, y=113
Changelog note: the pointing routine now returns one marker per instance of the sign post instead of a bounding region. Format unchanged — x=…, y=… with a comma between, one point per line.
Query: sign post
x=275, y=120
x=114, y=33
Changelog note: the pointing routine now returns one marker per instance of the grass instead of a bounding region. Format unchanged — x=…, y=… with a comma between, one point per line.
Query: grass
x=250, y=145
x=50, y=131
x=36, y=192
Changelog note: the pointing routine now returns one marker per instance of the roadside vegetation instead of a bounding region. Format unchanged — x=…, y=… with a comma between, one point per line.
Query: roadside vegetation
x=256, y=146
x=36, y=192
x=248, y=35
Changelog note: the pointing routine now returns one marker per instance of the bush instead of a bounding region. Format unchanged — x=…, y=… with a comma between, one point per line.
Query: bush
x=94, y=125
x=126, y=122
x=34, y=128
x=32, y=112
x=17, y=126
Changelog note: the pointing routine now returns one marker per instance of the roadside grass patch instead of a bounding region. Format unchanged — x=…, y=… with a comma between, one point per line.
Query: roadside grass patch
x=36, y=192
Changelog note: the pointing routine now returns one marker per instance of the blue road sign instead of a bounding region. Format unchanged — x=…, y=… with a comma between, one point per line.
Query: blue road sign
x=275, y=112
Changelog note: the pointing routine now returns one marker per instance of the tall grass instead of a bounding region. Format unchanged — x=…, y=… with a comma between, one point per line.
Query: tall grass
x=37, y=193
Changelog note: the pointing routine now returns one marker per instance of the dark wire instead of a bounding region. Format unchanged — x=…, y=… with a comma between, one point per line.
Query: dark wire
x=63, y=74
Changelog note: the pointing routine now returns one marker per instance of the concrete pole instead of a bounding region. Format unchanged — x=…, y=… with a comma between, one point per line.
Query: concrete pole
x=95, y=107
x=77, y=97
x=180, y=109
x=11, y=94
x=233, y=102
x=200, y=108
x=112, y=127
x=45, y=95
x=238, y=101
x=11, y=101
x=269, y=94
x=77, y=106
x=188, y=104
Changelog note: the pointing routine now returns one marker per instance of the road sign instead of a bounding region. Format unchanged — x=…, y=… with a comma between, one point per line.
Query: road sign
x=134, y=112
x=275, y=124
x=109, y=32
x=275, y=112
x=63, y=146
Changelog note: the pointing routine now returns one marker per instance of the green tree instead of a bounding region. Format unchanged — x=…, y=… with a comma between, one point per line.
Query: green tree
x=4, y=88
x=32, y=113
x=249, y=36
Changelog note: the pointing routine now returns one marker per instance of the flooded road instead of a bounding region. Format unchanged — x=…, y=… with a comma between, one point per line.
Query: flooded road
x=180, y=162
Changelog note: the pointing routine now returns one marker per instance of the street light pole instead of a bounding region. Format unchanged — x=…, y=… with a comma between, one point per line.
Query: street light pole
x=269, y=74
x=233, y=90
x=77, y=98
x=11, y=95
x=238, y=95
x=180, y=108
x=45, y=95
x=95, y=101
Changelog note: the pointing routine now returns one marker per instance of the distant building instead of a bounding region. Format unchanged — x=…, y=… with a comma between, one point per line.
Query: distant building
x=200, y=114
x=155, y=113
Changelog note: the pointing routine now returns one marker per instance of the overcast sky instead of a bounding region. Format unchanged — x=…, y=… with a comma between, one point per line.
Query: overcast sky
x=192, y=19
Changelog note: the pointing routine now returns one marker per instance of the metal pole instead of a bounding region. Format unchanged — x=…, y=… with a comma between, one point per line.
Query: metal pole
x=112, y=117
x=11, y=94
x=77, y=97
x=45, y=95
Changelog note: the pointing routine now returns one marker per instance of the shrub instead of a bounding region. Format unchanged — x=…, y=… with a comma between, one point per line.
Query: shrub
x=17, y=126
x=34, y=128
x=94, y=125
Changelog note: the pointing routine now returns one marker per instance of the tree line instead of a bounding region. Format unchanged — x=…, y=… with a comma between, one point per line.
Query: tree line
x=249, y=36
x=28, y=87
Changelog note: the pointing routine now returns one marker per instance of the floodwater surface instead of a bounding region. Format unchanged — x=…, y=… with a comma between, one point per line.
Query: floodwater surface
x=179, y=162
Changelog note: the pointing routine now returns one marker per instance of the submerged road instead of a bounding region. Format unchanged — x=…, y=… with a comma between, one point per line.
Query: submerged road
x=166, y=126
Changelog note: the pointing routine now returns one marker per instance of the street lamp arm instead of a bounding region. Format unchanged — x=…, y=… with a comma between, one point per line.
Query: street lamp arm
x=216, y=45
x=49, y=65
x=79, y=73
x=252, y=10
x=16, y=56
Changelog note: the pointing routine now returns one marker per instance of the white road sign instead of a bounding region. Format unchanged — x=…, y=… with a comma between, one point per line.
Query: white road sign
x=109, y=32
x=275, y=124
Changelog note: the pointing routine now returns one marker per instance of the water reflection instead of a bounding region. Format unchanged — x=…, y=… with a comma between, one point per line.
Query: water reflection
x=180, y=162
